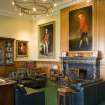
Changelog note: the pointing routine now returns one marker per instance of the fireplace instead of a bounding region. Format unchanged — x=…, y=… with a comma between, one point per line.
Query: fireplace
x=81, y=67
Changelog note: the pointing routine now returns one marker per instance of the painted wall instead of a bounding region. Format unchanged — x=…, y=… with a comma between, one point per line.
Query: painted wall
x=19, y=29
x=27, y=30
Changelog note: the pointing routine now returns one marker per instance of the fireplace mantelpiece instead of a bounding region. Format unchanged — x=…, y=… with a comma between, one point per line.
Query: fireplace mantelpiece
x=90, y=64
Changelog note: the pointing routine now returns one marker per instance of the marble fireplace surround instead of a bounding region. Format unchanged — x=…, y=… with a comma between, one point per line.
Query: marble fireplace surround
x=90, y=64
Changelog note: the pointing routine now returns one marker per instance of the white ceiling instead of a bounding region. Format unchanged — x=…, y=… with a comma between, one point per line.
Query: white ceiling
x=6, y=7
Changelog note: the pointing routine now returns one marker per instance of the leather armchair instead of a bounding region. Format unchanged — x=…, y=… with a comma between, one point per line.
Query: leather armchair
x=22, y=98
x=90, y=94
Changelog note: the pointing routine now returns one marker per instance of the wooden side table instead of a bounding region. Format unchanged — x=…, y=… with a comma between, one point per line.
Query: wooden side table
x=65, y=96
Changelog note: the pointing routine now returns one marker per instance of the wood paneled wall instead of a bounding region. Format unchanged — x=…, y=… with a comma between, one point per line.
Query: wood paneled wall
x=5, y=70
x=64, y=29
x=99, y=25
x=98, y=28
x=46, y=65
x=42, y=66
x=23, y=64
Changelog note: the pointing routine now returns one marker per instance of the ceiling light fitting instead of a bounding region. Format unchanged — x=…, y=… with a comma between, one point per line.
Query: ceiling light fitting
x=35, y=7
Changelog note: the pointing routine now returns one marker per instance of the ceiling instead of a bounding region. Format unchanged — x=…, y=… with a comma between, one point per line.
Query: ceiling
x=6, y=7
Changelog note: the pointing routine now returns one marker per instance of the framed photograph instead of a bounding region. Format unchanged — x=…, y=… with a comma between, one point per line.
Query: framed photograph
x=80, y=29
x=21, y=48
x=46, y=40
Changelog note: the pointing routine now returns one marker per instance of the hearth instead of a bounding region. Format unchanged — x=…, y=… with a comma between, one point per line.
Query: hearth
x=82, y=74
x=79, y=74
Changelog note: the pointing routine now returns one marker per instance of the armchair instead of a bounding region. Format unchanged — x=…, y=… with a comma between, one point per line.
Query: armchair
x=89, y=93
x=23, y=98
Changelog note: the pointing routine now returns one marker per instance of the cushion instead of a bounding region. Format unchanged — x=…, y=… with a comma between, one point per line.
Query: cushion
x=21, y=89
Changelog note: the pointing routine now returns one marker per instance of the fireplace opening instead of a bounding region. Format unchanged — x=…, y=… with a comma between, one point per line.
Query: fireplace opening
x=82, y=74
x=75, y=74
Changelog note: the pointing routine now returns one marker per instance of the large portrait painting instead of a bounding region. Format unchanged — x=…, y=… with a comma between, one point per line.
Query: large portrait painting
x=21, y=48
x=46, y=40
x=80, y=29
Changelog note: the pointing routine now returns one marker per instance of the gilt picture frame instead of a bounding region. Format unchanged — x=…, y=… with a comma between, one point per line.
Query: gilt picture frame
x=80, y=29
x=21, y=48
x=47, y=40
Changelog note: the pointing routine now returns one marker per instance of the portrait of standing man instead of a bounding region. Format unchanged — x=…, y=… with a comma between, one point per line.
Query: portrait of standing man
x=84, y=29
x=80, y=29
x=46, y=40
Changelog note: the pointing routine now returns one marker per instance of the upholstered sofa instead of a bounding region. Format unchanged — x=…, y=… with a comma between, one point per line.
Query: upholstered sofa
x=29, y=79
x=24, y=98
x=34, y=82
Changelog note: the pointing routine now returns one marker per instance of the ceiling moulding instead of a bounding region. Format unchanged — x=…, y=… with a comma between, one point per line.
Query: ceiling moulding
x=13, y=14
x=6, y=35
x=64, y=4
x=60, y=6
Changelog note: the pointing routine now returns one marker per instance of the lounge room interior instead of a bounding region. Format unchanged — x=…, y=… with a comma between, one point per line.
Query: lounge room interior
x=52, y=52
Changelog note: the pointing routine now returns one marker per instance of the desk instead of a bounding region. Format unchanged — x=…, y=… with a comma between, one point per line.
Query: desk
x=7, y=89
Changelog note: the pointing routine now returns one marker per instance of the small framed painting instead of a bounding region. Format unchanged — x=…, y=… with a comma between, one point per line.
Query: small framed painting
x=46, y=40
x=21, y=48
